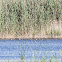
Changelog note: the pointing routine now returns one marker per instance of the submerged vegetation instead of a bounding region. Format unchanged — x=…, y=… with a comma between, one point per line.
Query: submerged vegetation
x=37, y=55
x=31, y=17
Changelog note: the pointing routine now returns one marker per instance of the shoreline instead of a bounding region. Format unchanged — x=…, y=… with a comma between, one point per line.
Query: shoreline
x=28, y=37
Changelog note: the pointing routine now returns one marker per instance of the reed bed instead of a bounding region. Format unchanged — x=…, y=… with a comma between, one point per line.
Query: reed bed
x=31, y=17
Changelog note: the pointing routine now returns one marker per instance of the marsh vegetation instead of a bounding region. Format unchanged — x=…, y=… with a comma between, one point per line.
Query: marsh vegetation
x=31, y=17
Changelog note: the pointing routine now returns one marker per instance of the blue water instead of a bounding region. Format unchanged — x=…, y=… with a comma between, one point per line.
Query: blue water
x=15, y=49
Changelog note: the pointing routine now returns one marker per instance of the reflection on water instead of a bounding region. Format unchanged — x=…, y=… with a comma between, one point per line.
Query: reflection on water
x=28, y=49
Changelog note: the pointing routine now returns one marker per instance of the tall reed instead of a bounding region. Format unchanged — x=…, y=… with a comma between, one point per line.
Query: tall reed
x=24, y=16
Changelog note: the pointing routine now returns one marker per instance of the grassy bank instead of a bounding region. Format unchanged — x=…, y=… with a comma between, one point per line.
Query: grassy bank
x=31, y=18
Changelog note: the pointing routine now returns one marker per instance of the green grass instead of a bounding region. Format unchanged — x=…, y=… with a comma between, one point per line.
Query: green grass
x=21, y=17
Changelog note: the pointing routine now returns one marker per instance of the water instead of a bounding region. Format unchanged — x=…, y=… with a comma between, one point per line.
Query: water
x=15, y=49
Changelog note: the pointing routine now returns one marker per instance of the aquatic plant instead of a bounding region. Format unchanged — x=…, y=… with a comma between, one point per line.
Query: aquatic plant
x=8, y=60
x=29, y=17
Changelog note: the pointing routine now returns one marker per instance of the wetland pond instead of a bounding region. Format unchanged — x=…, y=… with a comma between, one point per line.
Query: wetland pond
x=31, y=49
